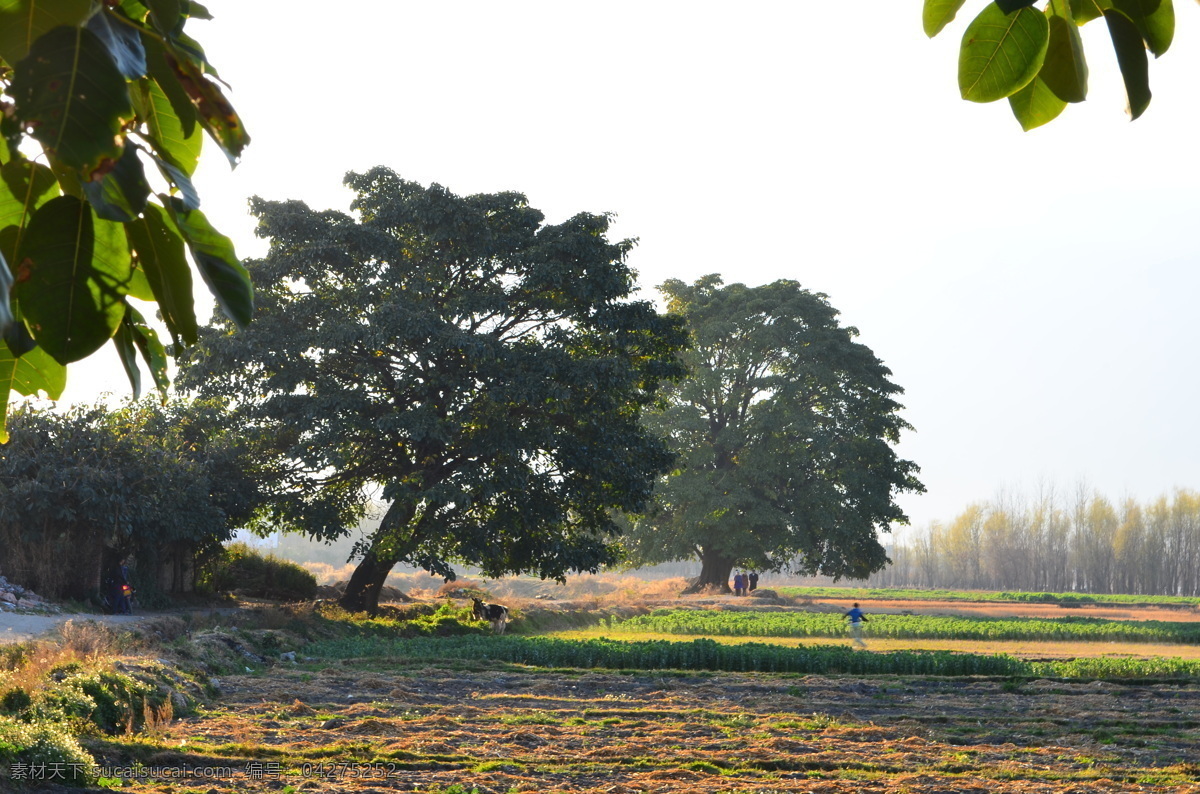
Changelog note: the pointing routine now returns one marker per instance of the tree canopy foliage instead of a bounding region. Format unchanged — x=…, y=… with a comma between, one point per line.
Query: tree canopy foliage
x=160, y=484
x=116, y=97
x=484, y=370
x=784, y=430
x=1034, y=57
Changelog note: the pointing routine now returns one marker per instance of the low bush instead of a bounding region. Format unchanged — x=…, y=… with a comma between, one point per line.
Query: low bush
x=417, y=620
x=51, y=694
x=42, y=752
x=243, y=569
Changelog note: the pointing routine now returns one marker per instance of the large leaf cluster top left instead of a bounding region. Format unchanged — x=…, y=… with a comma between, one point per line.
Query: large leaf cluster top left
x=105, y=106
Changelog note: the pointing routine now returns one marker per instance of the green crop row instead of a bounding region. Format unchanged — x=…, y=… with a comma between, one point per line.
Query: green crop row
x=719, y=623
x=901, y=594
x=705, y=654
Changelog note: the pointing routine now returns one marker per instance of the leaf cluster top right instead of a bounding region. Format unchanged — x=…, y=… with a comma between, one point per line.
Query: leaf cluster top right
x=1034, y=58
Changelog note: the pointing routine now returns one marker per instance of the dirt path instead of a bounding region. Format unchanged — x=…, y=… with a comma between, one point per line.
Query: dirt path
x=16, y=627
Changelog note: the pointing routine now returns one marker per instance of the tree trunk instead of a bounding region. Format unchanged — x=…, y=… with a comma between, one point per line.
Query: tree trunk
x=714, y=573
x=362, y=591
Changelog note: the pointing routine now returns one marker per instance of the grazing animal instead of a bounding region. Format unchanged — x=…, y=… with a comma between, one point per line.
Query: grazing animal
x=496, y=614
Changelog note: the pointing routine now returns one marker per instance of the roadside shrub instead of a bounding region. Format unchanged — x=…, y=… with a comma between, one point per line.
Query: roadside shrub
x=88, y=638
x=110, y=700
x=31, y=751
x=447, y=621
x=15, y=701
x=245, y=570
x=93, y=695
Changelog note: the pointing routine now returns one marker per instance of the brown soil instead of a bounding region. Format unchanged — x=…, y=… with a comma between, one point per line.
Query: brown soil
x=364, y=727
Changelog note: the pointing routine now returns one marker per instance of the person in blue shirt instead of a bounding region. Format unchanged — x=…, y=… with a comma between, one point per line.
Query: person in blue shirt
x=856, y=618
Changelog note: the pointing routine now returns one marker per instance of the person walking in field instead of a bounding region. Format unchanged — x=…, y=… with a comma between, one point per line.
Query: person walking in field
x=739, y=582
x=856, y=618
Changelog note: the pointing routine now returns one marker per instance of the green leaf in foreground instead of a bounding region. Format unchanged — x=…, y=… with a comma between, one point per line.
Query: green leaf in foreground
x=1131, y=57
x=133, y=337
x=121, y=194
x=23, y=21
x=936, y=14
x=1155, y=20
x=24, y=186
x=30, y=374
x=213, y=110
x=73, y=100
x=6, y=282
x=159, y=249
x=174, y=141
x=1064, y=70
x=123, y=42
x=1035, y=105
x=1001, y=53
x=71, y=287
x=218, y=264
x=1085, y=11
x=165, y=14
x=127, y=352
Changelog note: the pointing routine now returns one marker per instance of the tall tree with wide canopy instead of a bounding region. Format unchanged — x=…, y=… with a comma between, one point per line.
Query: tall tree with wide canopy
x=479, y=371
x=784, y=429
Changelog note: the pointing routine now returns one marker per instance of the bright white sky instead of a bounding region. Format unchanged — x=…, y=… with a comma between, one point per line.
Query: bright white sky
x=1032, y=292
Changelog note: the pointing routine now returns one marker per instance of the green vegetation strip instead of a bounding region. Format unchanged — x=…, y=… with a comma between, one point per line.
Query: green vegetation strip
x=703, y=654
x=718, y=623
x=901, y=594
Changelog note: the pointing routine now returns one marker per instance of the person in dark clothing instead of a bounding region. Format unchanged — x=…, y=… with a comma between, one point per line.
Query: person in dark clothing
x=753, y=577
x=856, y=618
x=119, y=590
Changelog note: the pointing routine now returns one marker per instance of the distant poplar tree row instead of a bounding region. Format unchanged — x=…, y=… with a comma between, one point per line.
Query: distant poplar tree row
x=1082, y=542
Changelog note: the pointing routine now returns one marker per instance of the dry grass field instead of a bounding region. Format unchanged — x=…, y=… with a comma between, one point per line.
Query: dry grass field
x=371, y=726
x=377, y=724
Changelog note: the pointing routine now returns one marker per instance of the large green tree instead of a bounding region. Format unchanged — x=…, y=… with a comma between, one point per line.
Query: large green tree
x=79, y=486
x=105, y=106
x=1034, y=56
x=481, y=372
x=785, y=431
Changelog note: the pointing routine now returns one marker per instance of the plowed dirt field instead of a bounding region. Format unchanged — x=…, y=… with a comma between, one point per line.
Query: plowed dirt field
x=366, y=726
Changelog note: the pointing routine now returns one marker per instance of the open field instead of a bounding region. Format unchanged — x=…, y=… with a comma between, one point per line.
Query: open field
x=1023, y=649
x=373, y=707
x=796, y=623
x=381, y=725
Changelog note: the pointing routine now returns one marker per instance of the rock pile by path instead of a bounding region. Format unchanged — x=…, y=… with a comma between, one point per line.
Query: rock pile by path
x=15, y=598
